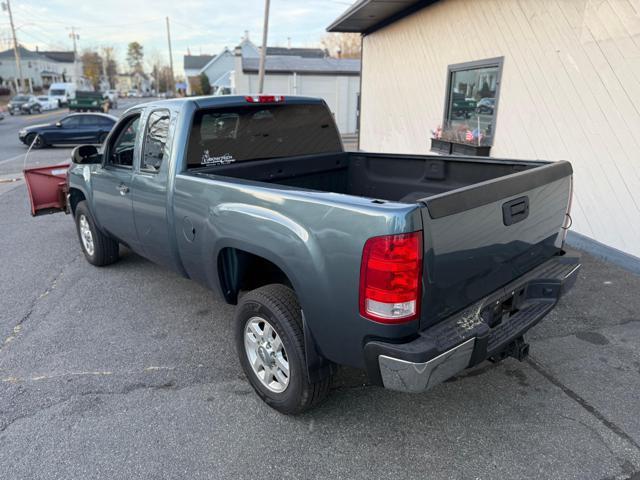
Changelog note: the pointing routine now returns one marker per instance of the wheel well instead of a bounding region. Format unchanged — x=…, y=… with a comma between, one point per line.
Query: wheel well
x=75, y=197
x=240, y=270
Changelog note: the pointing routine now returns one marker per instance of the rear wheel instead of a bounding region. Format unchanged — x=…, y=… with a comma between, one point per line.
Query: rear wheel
x=98, y=248
x=270, y=343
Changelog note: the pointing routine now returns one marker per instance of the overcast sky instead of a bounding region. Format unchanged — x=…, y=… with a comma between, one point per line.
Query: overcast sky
x=203, y=26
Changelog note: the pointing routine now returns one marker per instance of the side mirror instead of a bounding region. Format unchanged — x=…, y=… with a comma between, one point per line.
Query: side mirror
x=85, y=154
x=59, y=124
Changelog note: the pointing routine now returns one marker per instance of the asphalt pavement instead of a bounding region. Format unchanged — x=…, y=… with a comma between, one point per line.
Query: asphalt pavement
x=129, y=371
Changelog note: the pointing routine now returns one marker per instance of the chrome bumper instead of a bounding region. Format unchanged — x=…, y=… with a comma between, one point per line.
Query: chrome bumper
x=471, y=336
x=417, y=377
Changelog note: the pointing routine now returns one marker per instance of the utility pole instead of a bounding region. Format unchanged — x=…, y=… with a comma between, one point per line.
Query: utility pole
x=73, y=35
x=263, y=51
x=170, y=83
x=7, y=6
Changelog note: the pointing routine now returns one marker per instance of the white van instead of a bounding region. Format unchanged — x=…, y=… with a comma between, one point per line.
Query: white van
x=62, y=93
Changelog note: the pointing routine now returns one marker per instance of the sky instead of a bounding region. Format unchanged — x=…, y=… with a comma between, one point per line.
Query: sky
x=199, y=25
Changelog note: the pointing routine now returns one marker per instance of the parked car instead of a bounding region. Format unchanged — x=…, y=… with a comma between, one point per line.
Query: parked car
x=62, y=92
x=47, y=103
x=461, y=107
x=73, y=129
x=133, y=93
x=23, y=104
x=486, y=105
x=412, y=267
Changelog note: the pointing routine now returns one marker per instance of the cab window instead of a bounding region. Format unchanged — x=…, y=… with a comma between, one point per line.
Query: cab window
x=122, y=147
x=155, y=142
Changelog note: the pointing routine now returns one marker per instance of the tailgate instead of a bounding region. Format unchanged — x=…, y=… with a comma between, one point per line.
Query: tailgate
x=480, y=238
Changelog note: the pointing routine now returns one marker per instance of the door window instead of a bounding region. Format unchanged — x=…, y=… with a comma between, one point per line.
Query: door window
x=121, y=149
x=155, y=143
x=70, y=122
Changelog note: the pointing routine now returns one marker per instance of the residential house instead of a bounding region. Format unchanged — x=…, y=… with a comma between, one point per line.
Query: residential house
x=40, y=69
x=548, y=79
x=302, y=71
x=193, y=65
x=139, y=81
x=292, y=71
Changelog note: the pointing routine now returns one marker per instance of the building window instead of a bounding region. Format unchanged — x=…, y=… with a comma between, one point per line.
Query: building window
x=472, y=100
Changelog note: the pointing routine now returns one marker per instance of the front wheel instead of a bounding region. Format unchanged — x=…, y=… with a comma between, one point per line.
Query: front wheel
x=35, y=140
x=98, y=248
x=270, y=344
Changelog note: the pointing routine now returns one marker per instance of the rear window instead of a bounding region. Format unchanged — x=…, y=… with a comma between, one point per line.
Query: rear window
x=56, y=92
x=226, y=135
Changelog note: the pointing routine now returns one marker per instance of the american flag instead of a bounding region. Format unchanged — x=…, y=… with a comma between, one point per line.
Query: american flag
x=469, y=136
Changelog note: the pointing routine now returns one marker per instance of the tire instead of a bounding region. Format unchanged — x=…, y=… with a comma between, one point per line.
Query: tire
x=98, y=248
x=37, y=144
x=276, y=306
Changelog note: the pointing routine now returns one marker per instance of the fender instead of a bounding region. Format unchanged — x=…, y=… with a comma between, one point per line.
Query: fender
x=296, y=253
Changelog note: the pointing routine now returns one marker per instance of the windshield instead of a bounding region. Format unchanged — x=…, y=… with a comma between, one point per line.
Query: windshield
x=226, y=135
x=20, y=98
x=56, y=92
x=43, y=99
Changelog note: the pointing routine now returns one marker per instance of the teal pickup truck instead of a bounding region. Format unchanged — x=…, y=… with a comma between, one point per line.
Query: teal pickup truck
x=411, y=267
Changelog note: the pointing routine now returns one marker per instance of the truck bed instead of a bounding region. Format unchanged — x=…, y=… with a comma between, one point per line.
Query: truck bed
x=485, y=221
x=391, y=177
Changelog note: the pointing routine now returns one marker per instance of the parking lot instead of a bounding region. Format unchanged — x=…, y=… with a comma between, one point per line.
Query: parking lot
x=129, y=372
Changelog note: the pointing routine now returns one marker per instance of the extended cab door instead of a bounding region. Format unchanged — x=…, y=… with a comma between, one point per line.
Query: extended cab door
x=112, y=183
x=150, y=188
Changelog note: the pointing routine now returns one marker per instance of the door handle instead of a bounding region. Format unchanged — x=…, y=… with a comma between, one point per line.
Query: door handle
x=123, y=189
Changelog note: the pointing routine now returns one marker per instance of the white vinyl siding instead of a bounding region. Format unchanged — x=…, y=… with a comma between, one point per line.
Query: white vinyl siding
x=570, y=90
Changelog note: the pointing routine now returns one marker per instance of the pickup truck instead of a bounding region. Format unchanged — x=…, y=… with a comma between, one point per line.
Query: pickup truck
x=411, y=267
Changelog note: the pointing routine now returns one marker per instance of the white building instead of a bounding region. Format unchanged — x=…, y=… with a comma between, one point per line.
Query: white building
x=40, y=69
x=289, y=71
x=542, y=79
x=302, y=71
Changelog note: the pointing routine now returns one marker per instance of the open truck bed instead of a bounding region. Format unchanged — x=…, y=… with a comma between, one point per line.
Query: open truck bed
x=485, y=221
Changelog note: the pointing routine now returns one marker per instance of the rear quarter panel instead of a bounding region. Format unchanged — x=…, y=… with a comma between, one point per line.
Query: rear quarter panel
x=316, y=238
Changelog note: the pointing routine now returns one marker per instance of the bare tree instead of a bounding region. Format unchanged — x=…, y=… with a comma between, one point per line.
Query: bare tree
x=342, y=45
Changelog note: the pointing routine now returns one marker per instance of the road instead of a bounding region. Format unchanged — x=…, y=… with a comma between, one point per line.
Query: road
x=12, y=151
x=129, y=372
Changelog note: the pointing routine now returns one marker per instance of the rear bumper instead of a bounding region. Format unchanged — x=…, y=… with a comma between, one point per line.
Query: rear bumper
x=480, y=331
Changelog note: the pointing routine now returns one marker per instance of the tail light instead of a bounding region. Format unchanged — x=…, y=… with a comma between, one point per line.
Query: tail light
x=390, y=278
x=566, y=225
x=264, y=98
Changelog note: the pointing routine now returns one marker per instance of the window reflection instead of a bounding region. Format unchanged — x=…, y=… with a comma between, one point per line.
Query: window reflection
x=471, y=106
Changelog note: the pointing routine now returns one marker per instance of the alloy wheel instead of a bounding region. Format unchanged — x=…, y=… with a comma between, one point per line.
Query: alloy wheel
x=266, y=354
